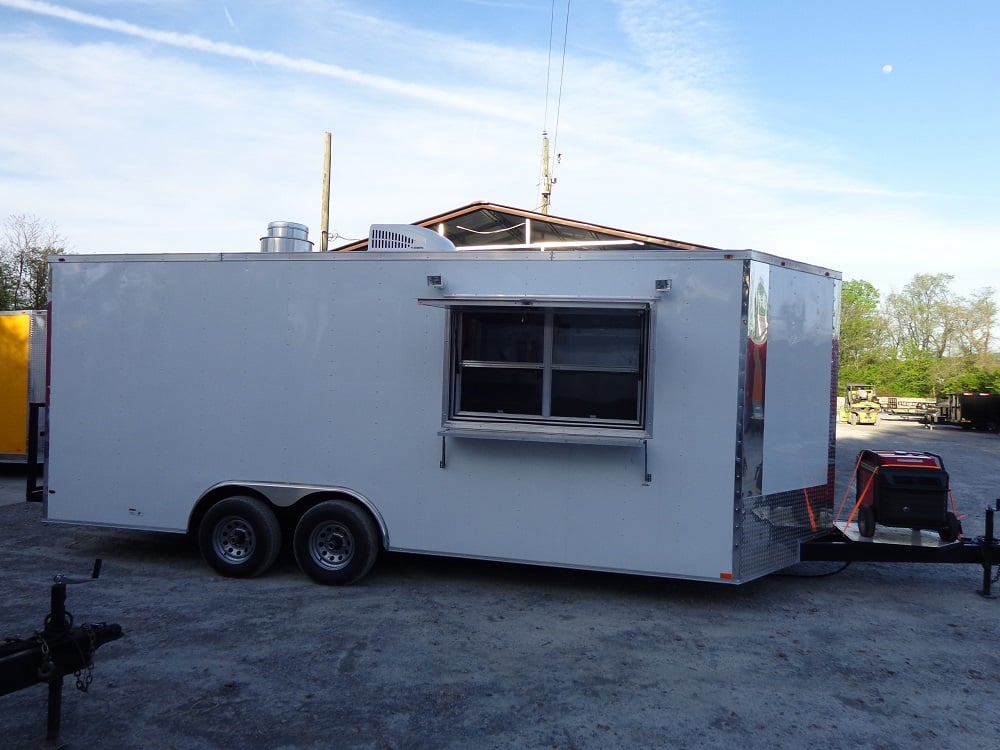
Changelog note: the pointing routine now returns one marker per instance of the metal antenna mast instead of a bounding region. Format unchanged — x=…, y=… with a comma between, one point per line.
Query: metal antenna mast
x=547, y=179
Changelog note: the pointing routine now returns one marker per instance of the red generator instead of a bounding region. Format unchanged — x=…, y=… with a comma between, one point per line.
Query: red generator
x=904, y=489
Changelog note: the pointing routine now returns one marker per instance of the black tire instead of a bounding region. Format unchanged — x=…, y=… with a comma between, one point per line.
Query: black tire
x=240, y=537
x=866, y=521
x=336, y=543
x=953, y=530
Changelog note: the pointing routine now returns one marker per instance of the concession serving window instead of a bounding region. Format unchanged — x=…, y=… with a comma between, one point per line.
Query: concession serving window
x=547, y=369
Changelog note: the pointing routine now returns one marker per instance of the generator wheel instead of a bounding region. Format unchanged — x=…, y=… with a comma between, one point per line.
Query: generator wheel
x=866, y=521
x=953, y=530
x=336, y=543
x=240, y=537
x=853, y=418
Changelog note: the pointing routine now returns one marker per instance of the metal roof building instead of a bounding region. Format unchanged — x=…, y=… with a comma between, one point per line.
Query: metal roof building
x=490, y=226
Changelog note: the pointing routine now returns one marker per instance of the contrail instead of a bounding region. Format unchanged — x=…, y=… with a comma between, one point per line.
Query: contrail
x=266, y=57
x=232, y=24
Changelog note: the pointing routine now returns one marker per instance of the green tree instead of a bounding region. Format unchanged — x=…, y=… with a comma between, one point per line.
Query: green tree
x=910, y=374
x=972, y=379
x=922, y=315
x=939, y=342
x=862, y=332
x=974, y=325
x=25, y=244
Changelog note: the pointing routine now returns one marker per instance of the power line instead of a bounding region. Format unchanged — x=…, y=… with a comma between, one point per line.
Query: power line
x=562, y=75
x=546, y=180
x=548, y=67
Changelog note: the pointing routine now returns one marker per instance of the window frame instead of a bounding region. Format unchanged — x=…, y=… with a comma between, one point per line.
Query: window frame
x=544, y=426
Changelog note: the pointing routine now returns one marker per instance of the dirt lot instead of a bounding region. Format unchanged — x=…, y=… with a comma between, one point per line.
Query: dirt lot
x=431, y=653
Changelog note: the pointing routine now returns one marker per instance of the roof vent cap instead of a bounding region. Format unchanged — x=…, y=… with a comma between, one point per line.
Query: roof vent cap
x=286, y=237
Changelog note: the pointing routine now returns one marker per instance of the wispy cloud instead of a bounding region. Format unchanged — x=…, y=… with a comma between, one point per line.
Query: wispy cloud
x=503, y=4
x=678, y=41
x=432, y=95
x=127, y=148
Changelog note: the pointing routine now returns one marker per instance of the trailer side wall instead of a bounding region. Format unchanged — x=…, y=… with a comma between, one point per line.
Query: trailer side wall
x=169, y=376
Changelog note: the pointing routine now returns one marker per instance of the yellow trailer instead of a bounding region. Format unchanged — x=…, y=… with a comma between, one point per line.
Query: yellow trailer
x=22, y=378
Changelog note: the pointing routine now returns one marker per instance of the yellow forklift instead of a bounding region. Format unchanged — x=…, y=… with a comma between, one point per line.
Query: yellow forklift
x=861, y=406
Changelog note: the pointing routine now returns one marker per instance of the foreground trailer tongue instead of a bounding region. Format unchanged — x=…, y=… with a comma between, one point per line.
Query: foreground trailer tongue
x=56, y=651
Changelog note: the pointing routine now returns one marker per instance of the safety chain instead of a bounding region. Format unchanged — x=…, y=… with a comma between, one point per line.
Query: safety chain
x=46, y=668
x=84, y=675
x=83, y=680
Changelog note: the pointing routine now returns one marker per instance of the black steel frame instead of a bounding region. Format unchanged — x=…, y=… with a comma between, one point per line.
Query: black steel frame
x=983, y=550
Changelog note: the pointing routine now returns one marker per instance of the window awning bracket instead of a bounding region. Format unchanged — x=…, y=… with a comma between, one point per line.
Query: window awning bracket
x=647, y=478
x=471, y=300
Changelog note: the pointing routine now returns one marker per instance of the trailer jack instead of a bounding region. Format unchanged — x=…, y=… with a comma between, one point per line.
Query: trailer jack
x=58, y=650
x=981, y=550
x=990, y=553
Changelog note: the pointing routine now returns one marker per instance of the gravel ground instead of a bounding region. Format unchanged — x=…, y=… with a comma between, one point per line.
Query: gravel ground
x=436, y=653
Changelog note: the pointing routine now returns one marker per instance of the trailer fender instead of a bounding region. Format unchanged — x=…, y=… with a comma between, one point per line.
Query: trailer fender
x=282, y=495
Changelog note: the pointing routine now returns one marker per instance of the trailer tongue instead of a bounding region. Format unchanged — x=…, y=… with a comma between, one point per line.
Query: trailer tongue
x=903, y=512
x=916, y=547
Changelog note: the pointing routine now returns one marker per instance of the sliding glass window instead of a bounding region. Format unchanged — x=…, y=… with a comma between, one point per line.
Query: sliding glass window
x=573, y=366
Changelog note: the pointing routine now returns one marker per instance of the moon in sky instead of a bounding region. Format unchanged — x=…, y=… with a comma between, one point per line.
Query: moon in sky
x=886, y=68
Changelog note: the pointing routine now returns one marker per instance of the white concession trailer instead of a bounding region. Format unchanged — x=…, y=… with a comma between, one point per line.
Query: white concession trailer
x=658, y=412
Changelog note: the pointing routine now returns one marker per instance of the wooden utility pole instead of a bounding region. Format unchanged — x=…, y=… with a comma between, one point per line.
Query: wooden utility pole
x=324, y=210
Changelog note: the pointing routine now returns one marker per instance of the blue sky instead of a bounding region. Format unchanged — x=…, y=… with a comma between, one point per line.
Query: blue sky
x=859, y=136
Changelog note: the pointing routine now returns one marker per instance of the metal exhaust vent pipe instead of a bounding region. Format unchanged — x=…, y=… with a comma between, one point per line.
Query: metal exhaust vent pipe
x=286, y=237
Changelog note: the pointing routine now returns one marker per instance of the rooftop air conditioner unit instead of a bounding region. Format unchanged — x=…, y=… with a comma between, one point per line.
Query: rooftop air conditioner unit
x=406, y=237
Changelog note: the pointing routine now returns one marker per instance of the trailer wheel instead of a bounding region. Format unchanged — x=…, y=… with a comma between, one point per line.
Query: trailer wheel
x=240, y=537
x=954, y=529
x=866, y=521
x=335, y=543
x=853, y=418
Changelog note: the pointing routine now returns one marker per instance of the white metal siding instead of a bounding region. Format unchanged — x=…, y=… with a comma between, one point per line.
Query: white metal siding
x=799, y=361
x=169, y=376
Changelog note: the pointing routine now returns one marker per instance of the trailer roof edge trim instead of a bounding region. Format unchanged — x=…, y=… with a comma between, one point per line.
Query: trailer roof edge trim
x=653, y=255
